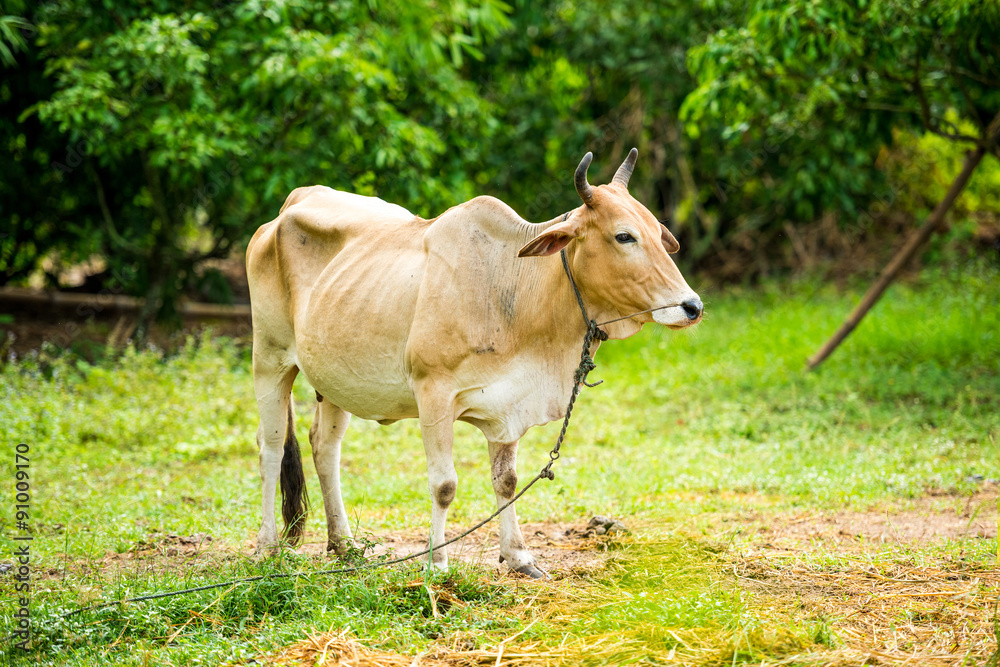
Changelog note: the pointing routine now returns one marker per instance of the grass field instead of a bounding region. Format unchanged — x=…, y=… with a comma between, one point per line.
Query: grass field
x=776, y=515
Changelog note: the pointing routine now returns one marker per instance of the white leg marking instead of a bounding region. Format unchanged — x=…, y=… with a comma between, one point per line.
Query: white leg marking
x=503, y=468
x=273, y=394
x=438, y=434
x=325, y=436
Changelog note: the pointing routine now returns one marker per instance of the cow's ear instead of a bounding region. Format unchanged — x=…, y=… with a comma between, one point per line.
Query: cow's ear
x=670, y=244
x=552, y=240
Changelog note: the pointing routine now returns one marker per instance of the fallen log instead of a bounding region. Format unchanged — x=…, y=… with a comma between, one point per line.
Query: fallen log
x=92, y=304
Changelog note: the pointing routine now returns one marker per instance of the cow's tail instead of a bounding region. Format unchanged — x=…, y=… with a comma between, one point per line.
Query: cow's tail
x=294, y=498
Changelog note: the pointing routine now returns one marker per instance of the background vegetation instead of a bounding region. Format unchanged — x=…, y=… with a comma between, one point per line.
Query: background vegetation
x=155, y=135
x=146, y=139
x=690, y=434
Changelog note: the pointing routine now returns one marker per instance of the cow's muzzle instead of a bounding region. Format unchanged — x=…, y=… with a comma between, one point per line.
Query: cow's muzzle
x=681, y=316
x=693, y=308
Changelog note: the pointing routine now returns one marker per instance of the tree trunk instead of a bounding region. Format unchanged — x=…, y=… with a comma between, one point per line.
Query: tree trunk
x=162, y=267
x=901, y=258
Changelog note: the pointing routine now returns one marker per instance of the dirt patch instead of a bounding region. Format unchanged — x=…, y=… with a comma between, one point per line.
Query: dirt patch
x=881, y=606
x=157, y=554
x=926, y=520
x=561, y=549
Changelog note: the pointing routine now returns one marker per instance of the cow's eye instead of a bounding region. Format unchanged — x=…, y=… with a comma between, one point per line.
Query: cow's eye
x=624, y=237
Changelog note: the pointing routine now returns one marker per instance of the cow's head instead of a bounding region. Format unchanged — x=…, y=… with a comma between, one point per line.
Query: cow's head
x=620, y=256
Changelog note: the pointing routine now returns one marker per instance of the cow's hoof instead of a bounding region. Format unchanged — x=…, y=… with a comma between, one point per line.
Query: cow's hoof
x=347, y=547
x=530, y=570
x=266, y=551
x=267, y=542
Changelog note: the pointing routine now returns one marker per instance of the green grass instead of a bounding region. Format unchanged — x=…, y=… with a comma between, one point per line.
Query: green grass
x=244, y=621
x=684, y=426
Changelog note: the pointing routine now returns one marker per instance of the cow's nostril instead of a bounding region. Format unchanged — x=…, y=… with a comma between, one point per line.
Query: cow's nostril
x=692, y=308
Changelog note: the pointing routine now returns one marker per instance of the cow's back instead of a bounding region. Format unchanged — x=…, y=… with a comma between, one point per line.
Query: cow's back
x=331, y=279
x=288, y=255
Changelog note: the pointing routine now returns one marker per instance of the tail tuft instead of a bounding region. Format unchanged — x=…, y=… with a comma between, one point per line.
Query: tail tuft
x=294, y=497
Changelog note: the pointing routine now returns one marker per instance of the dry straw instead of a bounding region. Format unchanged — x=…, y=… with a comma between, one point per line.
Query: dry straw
x=853, y=612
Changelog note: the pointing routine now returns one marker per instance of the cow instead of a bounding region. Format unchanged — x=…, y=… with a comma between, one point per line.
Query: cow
x=469, y=316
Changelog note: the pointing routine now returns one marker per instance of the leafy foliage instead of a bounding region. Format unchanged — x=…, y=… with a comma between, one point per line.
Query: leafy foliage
x=823, y=84
x=189, y=123
x=162, y=134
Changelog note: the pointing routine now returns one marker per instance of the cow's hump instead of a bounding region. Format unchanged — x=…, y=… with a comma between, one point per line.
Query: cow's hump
x=323, y=208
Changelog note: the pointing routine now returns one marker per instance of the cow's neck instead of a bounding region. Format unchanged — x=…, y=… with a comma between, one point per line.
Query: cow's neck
x=552, y=317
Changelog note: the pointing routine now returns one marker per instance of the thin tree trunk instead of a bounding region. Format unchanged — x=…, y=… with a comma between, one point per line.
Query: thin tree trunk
x=901, y=258
x=161, y=268
x=687, y=177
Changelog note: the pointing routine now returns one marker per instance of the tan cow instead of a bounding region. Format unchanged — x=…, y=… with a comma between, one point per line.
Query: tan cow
x=469, y=316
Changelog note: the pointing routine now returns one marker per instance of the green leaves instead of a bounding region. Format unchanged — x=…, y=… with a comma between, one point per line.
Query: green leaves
x=197, y=119
x=843, y=74
x=11, y=39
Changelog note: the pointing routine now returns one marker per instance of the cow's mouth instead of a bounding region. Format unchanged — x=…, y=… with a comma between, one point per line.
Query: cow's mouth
x=676, y=317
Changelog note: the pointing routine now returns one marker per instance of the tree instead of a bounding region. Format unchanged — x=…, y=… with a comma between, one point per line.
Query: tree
x=843, y=74
x=186, y=124
x=571, y=83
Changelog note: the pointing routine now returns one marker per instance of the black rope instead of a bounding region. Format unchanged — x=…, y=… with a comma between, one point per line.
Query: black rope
x=600, y=335
x=545, y=473
x=579, y=378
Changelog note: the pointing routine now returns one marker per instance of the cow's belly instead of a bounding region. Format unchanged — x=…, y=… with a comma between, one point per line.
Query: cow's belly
x=360, y=395
x=358, y=375
x=351, y=338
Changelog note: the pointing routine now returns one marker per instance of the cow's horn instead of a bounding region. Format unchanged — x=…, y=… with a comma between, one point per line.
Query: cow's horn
x=582, y=186
x=625, y=171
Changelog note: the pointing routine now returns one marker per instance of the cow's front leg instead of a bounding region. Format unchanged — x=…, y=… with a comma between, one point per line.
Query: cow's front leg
x=513, y=551
x=437, y=429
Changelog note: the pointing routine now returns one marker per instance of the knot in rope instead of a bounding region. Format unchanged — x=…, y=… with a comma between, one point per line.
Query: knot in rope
x=586, y=361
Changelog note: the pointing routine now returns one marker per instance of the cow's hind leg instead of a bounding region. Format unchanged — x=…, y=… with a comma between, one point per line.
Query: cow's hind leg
x=278, y=453
x=513, y=551
x=326, y=434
